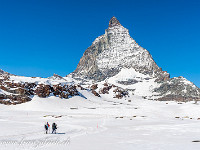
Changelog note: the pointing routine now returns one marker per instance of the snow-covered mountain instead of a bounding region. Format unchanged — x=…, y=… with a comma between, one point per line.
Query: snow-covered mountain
x=116, y=55
x=113, y=67
x=113, y=51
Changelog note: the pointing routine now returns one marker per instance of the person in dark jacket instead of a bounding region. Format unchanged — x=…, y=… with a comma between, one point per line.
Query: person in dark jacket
x=54, y=127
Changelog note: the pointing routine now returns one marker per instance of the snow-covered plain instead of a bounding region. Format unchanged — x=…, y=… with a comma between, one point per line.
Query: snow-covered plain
x=99, y=123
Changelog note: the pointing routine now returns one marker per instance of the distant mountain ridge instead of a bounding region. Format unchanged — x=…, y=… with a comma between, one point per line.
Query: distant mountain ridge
x=3, y=72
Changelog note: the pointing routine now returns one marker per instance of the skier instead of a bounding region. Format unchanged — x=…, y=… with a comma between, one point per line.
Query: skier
x=46, y=126
x=54, y=127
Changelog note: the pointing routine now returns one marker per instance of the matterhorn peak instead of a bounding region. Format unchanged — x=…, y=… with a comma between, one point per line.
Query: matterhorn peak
x=111, y=52
x=114, y=22
x=116, y=58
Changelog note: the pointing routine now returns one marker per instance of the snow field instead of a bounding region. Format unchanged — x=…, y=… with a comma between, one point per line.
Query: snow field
x=96, y=123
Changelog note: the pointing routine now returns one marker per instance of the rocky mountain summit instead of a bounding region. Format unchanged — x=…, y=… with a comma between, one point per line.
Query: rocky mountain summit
x=116, y=50
x=113, y=51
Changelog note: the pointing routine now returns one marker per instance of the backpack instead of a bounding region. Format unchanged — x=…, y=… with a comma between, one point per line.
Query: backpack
x=54, y=126
x=45, y=126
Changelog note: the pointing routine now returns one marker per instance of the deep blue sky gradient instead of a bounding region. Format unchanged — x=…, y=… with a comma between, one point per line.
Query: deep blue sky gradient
x=42, y=37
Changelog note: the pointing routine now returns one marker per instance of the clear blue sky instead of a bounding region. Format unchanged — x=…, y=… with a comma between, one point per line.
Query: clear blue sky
x=42, y=37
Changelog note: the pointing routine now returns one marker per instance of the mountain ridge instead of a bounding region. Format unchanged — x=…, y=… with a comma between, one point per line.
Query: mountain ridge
x=114, y=66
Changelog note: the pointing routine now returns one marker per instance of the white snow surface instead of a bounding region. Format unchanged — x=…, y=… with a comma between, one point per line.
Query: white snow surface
x=126, y=74
x=100, y=123
x=39, y=80
x=144, y=84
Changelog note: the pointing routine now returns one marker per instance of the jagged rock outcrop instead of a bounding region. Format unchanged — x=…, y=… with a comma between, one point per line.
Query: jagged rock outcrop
x=3, y=72
x=14, y=92
x=178, y=89
x=114, y=22
x=56, y=77
x=43, y=90
x=117, y=92
x=120, y=93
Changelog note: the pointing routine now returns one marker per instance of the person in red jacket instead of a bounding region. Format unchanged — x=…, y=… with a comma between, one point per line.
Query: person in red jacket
x=46, y=126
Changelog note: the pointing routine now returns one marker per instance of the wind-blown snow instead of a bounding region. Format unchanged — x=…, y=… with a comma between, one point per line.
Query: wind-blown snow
x=38, y=80
x=125, y=74
x=143, y=86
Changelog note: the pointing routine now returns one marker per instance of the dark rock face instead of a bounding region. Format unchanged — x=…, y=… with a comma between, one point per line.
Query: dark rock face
x=108, y=88
x=94, y=87
x=120, y=93
x=105, y=90
x=178, y=98
x=65, y=91
x=56, y=77
x=14, y=99
x=12, y=93
x=129, y=82
x=3, y=72
x=114, y=22
x=62, y=91
x=43, y=90
x=18, y=93
x=179, y=89
x=95, y=93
